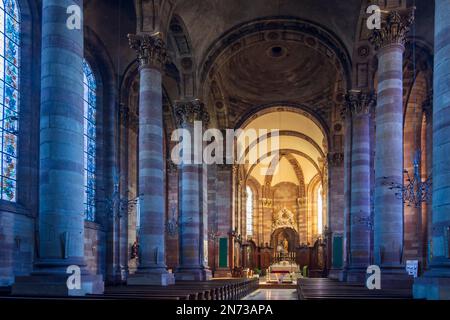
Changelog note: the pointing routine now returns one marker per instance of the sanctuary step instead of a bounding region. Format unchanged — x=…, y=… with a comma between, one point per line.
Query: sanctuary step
x=324, y=288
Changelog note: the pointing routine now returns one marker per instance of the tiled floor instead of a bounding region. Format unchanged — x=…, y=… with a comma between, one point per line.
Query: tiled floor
x=272, y=294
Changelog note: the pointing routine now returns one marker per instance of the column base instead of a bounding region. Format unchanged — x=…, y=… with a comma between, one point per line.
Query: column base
x=395, y=278
x=151, y=278
x=433, y=285
x=358, y=275
x=56, y=285
x=193, y=274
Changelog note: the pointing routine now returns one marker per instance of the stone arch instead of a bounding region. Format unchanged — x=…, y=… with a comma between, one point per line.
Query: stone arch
x=154, y=15
x=290, y=233
x=182, y=55
x=306, y=111
x=289, y=29
x=234, y=40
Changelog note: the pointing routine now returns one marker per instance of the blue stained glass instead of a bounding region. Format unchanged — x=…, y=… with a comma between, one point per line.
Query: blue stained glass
x=9, y=95
x=11, y=7
x=9, y=143
x=11, y=74
x=12, y=28
x=11, y=52
x=9, y=166
x=8, y=189
x=90, y=102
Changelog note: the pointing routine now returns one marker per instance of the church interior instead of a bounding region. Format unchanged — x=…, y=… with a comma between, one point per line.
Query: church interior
x=352, y=201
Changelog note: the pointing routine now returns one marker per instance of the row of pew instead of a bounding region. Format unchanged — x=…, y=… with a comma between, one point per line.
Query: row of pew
x=217, y=289
x=324, y=288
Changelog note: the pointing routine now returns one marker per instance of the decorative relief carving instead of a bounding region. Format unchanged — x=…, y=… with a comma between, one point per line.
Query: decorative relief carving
x=359, y=102
x=266, y=202
x=150, y=49
x=283, y=219
x=187, y=112
x=394, y=29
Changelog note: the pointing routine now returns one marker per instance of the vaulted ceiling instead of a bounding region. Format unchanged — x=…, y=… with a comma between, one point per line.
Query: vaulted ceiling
x=300, y=146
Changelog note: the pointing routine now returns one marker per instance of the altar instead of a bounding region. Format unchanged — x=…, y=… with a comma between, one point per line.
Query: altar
x=283, y=272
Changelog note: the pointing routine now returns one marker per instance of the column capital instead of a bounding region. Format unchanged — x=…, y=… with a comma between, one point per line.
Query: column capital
x=359, y=102
x=186, y=112
x=150, y=48
x=395, y=26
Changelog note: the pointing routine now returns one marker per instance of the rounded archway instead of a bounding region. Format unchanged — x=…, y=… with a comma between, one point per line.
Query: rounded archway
x=281, y=155
x=284, y=239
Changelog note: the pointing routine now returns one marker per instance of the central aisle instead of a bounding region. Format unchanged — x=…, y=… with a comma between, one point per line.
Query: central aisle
x=272, y=294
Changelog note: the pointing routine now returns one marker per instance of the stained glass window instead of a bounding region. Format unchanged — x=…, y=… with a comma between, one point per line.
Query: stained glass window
x=90, y=88
x=9, y=95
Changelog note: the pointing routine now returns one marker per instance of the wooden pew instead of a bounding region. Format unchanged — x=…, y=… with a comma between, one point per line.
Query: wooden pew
x=313, y=289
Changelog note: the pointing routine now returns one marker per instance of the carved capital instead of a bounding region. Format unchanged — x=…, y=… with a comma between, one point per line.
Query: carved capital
x=187, y=112
x=359, y=102
x=395, y=26
x=150, y=48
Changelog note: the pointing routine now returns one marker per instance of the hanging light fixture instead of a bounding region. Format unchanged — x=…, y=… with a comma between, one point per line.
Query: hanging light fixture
x=416, y=190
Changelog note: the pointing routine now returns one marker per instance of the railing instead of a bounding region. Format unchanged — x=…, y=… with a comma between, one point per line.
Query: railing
x=279, y=256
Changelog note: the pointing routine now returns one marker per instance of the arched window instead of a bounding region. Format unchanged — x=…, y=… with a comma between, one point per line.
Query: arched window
x=319, y=210
x=249, y=211
x=89, y=140
x=9, y=95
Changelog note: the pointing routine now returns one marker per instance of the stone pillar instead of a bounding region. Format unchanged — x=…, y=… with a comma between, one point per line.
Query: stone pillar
x=152, y=269
x=427, y=169
x=347, y=117
x=435, y=284
x=360, y=105
x=61, y=187
x=336, y=206
x=389, y=42
x=193, y=195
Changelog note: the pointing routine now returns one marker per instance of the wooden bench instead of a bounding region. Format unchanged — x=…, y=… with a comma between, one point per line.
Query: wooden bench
x=314, y=289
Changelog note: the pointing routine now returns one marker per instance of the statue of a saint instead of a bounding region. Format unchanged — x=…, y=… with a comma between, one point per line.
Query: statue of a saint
x=285, y=245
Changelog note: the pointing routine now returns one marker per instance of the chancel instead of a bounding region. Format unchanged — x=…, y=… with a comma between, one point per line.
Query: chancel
x=343, y=167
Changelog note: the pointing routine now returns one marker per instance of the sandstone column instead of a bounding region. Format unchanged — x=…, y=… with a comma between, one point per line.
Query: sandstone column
x=435, y=284
x=152, y=269
x=61, y=187
x=347, y=118
x=389, y=42
x=193, y=197
x=360, y=105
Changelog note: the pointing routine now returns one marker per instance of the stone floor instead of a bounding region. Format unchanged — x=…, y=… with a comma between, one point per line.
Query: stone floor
x=272, y=294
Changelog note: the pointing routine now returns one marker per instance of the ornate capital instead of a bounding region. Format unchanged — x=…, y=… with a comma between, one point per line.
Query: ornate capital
x=359, y=102
x=187, y=112
x=150, y=49
x=395, y=26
